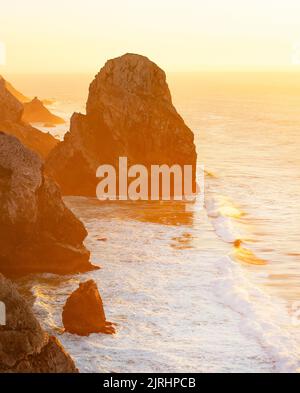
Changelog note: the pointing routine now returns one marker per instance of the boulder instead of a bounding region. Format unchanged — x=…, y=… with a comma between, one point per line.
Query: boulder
x=24, y=345
x=129, y=113
x=36, y=112
x=38, y=233
x=11, y=112
x=83, y=312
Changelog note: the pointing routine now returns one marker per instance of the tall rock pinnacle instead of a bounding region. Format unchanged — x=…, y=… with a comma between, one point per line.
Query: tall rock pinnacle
x=129, y=113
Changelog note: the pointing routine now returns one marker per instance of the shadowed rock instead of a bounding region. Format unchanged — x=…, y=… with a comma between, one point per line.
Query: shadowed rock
x=38, y=233
x=11, y=111
x=129, y=113
x=83, y=312
x=24, y=345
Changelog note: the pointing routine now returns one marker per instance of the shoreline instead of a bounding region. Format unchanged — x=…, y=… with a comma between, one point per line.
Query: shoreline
x=109, y=270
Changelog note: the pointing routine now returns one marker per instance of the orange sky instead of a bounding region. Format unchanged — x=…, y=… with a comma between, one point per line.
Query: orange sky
x=180, y=35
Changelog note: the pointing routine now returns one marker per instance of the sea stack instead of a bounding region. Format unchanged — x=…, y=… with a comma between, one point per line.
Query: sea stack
x=38, y=233
x=11, y=112
x=36, y=112
x=83, y=312
x=129, y=113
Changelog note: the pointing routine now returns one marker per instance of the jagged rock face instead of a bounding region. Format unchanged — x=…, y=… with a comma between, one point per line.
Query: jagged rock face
x=11, y=111
x=129, y=113
x=131, y=76
x=38, y=233
x=24, y=345
x=83, y=312
x=36, y=112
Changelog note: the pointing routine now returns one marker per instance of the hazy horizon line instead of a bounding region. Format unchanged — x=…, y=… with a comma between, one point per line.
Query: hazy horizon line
x=199, y=71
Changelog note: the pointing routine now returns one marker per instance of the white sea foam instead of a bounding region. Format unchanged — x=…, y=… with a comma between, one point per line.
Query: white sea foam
x=158, y=284
x=222, y=213
x=262, y=316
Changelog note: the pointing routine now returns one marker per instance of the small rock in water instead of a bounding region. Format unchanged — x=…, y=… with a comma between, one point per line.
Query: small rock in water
x=83, y=312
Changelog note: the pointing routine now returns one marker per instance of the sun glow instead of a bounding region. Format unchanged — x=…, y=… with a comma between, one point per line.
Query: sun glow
x=78, y=36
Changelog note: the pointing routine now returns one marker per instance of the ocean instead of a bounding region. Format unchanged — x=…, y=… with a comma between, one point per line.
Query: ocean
x=193, y=288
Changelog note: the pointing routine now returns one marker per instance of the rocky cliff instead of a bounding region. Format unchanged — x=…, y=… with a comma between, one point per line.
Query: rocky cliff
x=24, y=345
x=129, y=113
x=36, y=112
x=38, y=233
x=11, y=111
x=17, y=94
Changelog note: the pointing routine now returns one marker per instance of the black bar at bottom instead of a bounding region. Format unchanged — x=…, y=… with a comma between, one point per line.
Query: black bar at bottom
x=87, y=383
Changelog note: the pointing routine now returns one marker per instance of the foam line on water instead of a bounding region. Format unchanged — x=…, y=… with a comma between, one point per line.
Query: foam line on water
x=222, y=213
x=262, y=316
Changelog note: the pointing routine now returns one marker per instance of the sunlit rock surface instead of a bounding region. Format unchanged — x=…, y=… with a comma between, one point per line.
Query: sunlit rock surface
x=16, y=93
x=129, y=113
x=36, y=112
x=11, y=112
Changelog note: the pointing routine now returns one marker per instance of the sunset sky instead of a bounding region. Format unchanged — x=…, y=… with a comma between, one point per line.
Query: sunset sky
x=180, y=35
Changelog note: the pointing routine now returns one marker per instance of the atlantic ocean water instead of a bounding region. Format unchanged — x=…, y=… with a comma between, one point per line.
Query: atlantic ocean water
x=213, y=288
